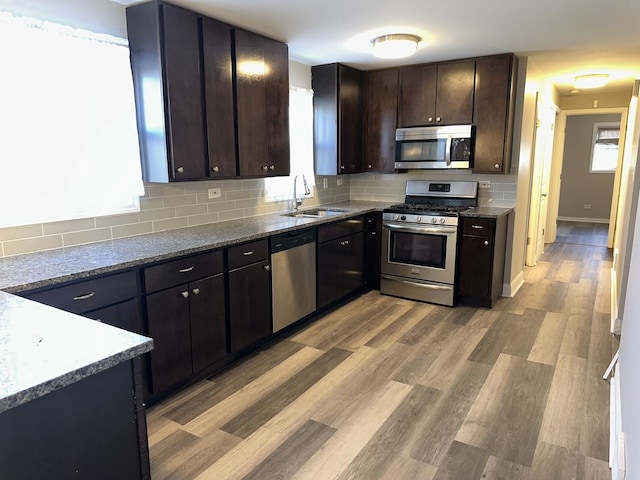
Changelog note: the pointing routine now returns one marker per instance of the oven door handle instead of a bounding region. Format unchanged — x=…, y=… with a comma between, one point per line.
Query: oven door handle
x=426, y=229
x=428, y=286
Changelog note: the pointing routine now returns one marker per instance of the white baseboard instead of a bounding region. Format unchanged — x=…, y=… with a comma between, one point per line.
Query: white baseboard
x=510, y=289
x=583, y=220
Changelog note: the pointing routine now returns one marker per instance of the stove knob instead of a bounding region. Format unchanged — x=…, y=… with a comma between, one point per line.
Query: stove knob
x=418, y=219
x=403, y=217
x=442, y=220
x=434, y=220
x=396, y=217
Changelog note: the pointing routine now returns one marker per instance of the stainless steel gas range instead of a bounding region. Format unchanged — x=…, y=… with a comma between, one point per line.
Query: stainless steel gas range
x=419, y=240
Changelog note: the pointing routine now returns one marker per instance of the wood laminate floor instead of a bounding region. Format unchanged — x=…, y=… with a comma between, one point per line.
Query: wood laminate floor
x=386, y=388
x=582, y=233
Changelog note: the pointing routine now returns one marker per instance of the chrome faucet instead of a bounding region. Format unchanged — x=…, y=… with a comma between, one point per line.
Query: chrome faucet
x=297, y=202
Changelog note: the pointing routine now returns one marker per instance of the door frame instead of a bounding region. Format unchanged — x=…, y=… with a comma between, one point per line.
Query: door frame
x=557, y=162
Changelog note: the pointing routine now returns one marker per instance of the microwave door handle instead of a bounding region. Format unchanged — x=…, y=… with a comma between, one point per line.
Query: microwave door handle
x=447, y=150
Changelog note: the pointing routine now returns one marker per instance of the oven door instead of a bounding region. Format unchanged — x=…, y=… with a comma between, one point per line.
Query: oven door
x=422, y=252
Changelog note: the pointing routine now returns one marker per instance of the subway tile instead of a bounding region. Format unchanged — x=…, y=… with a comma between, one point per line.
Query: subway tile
x=203, y=219
x=190, y=210
x=131, y=230
x=29, y=245
x=179, y=200
x=21, y=232
x=252, y=212
x=249, y=203
x=170, y=224
x=115, y=220
x=231, y=215
x=157, y=214
x=221, y=206
x=238, y=195
x=68, y=226
x=165, y=190
x=150, y=203
x=86, y=236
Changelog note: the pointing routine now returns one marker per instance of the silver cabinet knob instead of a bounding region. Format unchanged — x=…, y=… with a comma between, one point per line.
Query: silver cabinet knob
x=369, y=166
x=180, y=169
x=196, y=291
x=264, y=168
x=267, y=268
x=341, y=167
x=438, y=119
x=497, y=165
x=272, y=167
x=486, y=242
x=215, y=169
x=431, y=119
x=185, y=294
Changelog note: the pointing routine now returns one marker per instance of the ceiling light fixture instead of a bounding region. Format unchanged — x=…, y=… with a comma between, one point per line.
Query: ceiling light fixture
x=593, y=80
x=397, y=45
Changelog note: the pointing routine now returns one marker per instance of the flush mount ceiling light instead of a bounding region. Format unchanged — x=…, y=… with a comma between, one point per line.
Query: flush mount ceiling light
x=397, y=45
x=593, y=80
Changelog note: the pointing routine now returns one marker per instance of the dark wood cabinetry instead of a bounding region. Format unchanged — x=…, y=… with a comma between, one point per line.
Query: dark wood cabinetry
x=372, y=249
x=380, y=112
x=180, y=82
x=436, y=94
x=493, y=113
x=481, y=259
x=337, y=106
x=249, y=294
x=341, y=259
x=186, y=317
x=262, y=86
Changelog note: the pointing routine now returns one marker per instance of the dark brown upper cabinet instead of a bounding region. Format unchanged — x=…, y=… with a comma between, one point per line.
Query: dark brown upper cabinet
x=262, y=100
x=181, y=67
x=337, y=119
x=436, y=94
x=493, y=113
x=380, y=115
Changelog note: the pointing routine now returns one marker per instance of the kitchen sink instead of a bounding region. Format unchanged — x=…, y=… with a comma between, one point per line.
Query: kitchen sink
x=315, y=213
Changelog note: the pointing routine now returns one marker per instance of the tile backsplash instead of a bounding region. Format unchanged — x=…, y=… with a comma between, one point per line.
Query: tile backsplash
x=178, y=205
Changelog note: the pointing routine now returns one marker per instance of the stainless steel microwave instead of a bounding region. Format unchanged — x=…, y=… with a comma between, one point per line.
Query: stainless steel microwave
x=439, y=147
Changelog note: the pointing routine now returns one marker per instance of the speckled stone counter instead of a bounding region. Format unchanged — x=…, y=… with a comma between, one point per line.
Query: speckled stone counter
x=486, y=212
x=37, y=270
x=43, y=349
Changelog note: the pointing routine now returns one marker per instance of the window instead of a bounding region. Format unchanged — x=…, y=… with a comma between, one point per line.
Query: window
x=68, y=137
x=301, y=141
x=604, y=151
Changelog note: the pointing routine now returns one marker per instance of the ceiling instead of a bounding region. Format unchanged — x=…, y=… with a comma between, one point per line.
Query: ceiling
x=562, y=37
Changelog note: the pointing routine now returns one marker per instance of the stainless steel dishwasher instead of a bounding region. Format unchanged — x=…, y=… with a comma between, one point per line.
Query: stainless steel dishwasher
x=293, y=276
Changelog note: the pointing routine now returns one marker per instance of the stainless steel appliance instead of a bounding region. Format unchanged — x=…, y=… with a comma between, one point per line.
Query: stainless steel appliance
x=293, y=277
x=439, y=147
x=419, y=240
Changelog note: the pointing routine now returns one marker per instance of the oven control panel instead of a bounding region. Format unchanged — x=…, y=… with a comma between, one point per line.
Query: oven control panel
x=426, y=219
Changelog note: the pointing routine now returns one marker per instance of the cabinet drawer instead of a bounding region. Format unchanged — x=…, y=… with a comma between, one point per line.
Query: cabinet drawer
x=90, y=294
x=479, y=226
x=182, y=270
x=248, y=253
x=340, y=229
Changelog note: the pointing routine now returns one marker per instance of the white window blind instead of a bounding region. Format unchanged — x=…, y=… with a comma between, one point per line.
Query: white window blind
x=604, y=148
x=68, y=138
x=301, y=144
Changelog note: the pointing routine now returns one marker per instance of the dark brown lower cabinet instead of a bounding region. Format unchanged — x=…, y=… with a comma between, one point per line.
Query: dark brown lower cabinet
x=481, y=259
x=340, y=267
x=187, y=324
x=372, y=249
x=125, y=315
x=249, y=304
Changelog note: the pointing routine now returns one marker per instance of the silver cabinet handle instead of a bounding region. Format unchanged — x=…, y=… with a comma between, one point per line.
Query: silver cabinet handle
x=373, y=233
x=86, y=296
x=196, y=291
x=272, y=167
x=486, y=242
x=267, y=268
x=180, y=169
x=250, y=252
x=186, y=270
x=346, y=242
x=215, y=169
x=477, y=227
x=341, y=167
x=416, y=284
x=264, y=168
x=185, y=294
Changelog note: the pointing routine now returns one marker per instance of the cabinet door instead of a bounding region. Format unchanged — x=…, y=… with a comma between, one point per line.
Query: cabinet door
x=208, y=324
x=249, y=305
x=125, y=315
x=183, y=88
x=262, y=85
x=494, y=113
x=475, y=266
x=417, y=96
x=340, y=267
x=454, y=93
x=218, y=90
x=373, y=249
x=380, y=107
x=349, y=120
x=168, y=320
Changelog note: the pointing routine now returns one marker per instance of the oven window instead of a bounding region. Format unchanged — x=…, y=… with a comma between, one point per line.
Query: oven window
x=423, y=150
x=418, y=249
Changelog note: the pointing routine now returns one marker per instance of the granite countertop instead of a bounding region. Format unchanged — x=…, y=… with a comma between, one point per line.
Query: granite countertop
x=43, y=349
x=487, y=212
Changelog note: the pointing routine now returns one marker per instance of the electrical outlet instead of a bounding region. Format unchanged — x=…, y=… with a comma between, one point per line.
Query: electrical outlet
x=325, y=183
x=484, y=184
x=339, y=181
x=214, y=193
x=587, y=206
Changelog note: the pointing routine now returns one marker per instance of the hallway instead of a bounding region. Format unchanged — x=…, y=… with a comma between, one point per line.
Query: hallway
x=386, y=388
